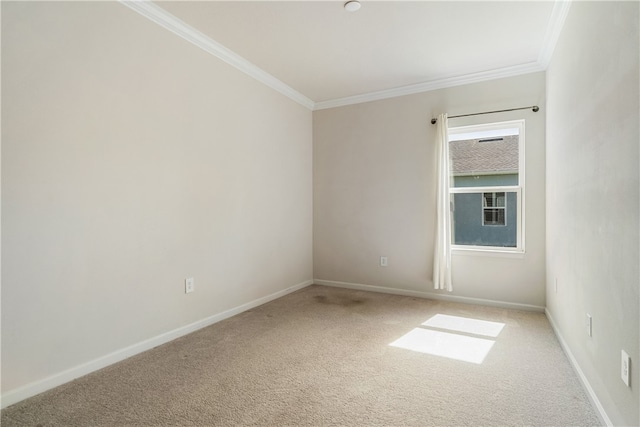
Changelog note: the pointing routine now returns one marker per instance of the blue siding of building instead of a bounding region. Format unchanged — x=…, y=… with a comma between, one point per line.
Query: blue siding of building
x=468, y=228
x=485, y=180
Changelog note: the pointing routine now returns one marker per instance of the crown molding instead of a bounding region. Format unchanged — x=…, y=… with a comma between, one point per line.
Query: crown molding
x=499, y=73
x=163, y=18
x=554, y=28
x=552, y=34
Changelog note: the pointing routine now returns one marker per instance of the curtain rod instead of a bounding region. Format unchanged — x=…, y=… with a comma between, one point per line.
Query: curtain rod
x=535, y=109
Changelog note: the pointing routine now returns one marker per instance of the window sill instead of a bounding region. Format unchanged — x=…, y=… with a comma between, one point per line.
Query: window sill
x=490, y=252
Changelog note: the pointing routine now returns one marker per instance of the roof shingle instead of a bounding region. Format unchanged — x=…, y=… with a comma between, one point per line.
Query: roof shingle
x=484, y=157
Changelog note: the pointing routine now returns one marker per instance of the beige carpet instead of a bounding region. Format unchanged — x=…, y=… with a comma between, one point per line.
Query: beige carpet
x=321, y=356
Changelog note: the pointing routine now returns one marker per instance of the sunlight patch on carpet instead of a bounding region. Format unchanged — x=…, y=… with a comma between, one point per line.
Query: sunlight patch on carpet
x=455, y=343
x=444, y=344
x=463, y=324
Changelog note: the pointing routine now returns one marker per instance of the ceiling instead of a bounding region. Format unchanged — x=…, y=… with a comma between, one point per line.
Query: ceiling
x=333, y=57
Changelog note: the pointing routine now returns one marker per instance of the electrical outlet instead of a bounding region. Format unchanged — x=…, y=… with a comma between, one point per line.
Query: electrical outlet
x=625, y=368
x=589, y=325
x=383, y=261
x=189, y=285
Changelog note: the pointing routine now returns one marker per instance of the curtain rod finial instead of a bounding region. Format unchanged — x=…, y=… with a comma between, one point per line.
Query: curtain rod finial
x=535, y=108
x=433, y=121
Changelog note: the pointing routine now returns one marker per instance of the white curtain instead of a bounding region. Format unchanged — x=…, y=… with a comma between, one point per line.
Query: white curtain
x=442, y=253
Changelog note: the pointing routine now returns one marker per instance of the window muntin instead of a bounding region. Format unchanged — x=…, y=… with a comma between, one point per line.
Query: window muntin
x=486, y=186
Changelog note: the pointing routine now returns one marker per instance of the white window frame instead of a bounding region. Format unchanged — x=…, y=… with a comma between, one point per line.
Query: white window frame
x=518, y=189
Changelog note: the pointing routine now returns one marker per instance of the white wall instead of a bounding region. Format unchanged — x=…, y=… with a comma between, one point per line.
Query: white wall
x=374, y=193
x=593, y=197
x=130, y=161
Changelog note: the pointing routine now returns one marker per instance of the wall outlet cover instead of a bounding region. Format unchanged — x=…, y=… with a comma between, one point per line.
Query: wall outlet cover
x=189, y=285
x=625, y=368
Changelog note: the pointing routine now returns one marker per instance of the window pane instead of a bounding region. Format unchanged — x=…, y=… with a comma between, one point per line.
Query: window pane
x=487, y=200
x=477, y=225
x=494, y=217
x=485, y=161
x=493, y=200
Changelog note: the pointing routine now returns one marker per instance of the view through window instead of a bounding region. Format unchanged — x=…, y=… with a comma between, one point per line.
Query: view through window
x=486, y=186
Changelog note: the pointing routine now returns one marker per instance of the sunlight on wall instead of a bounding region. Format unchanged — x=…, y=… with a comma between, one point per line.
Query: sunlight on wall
x=457, y=345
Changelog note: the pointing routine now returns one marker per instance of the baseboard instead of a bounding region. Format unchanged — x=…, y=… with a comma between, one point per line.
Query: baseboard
x=37, y=387
x=595, y=402
x=430, y=295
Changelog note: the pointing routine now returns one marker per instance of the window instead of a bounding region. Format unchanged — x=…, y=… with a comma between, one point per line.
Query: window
x=493, y=209
x=487, y=186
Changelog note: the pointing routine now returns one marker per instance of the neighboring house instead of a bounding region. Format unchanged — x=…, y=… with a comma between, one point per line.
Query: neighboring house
x=485, y=218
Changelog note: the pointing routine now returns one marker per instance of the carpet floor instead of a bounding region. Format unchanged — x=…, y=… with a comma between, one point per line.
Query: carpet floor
x=323, y=356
